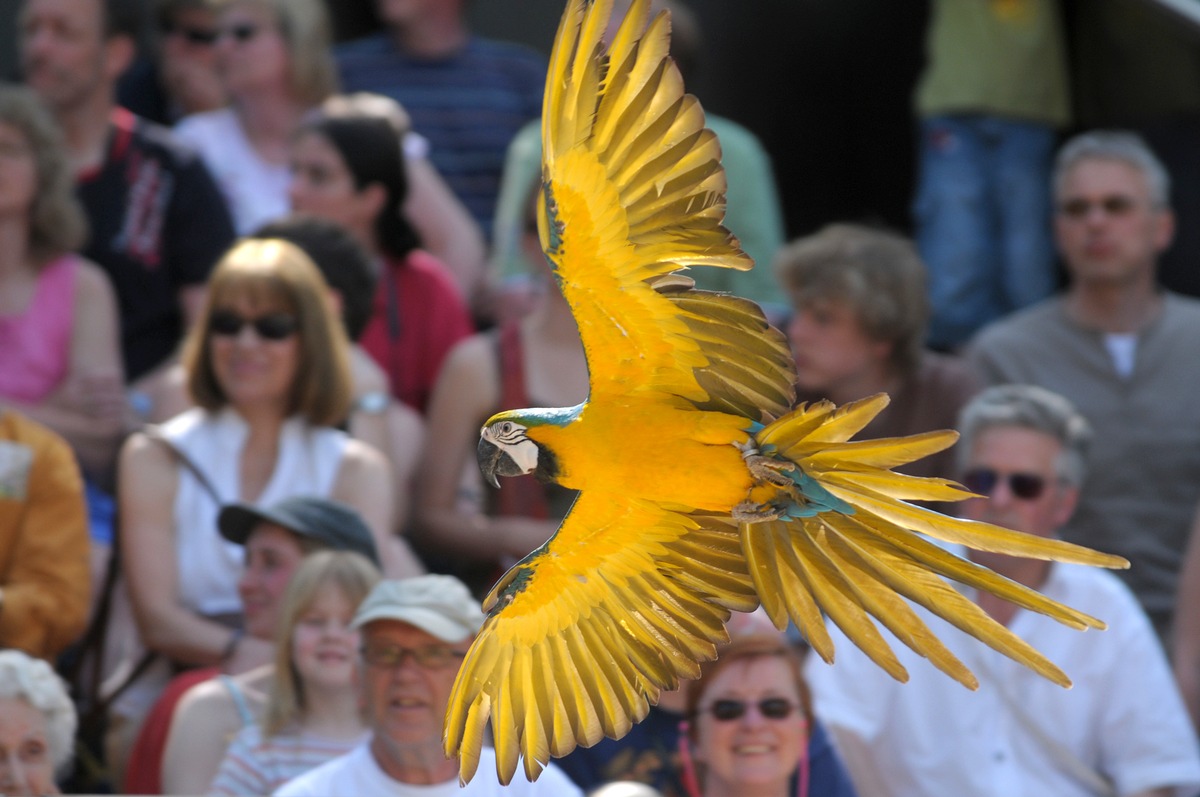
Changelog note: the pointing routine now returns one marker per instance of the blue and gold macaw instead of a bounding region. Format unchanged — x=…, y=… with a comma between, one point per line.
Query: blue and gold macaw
x=700, y=490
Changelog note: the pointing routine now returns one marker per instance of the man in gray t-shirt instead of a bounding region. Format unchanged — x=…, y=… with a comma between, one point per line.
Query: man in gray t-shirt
x=1123, y=350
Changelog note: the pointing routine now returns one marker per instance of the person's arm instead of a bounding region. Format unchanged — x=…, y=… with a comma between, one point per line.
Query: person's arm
x=364, y=481
x=467, y=391
x=46, y=581
x=444, y=226
x=88, y=408
x=397, y=432
x=1185, y=641
x=390, y=426
x=148, y=480
x=198, y=738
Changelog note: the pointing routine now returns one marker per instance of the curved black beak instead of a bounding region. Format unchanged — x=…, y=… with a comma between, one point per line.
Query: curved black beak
x=494, y=462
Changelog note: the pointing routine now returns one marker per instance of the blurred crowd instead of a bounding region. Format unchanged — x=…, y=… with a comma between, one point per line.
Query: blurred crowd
x=259, y=291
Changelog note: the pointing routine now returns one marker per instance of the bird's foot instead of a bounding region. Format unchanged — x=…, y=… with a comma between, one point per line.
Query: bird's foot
x=769, y=469
x=754, y=512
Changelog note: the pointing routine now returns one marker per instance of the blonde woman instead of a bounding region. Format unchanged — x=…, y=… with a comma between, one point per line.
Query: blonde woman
x=313, y=713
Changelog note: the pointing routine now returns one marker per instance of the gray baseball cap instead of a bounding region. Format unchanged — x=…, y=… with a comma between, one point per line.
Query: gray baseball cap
x=331, y=523
x=438, y=605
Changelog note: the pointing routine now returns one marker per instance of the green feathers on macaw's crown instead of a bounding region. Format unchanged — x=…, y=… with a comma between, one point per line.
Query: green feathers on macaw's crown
x=506, y=449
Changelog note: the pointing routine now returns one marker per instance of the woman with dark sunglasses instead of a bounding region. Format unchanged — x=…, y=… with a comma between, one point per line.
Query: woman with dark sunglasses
x=275, y=64
x=749, y=720
x=267, y=368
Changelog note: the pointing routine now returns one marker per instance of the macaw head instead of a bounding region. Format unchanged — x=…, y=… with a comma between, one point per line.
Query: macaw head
x=509, y=445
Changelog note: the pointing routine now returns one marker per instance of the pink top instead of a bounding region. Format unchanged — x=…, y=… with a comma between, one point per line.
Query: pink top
x=35, y=346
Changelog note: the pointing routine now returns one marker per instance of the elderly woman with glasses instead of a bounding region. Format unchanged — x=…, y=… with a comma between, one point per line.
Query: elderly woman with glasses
x=37, y=725
x=749, y=722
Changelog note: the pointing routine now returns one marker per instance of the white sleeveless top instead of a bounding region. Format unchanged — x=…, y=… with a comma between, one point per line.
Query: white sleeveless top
x=209, y=565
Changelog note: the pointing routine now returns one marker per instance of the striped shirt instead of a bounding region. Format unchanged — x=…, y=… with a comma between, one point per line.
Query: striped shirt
x=469, y=105
x=257, y=765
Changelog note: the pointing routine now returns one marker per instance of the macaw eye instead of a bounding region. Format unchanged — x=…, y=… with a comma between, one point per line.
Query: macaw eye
x=504, y=428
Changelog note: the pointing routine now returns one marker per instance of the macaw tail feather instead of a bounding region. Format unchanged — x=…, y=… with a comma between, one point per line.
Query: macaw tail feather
x=859, y=557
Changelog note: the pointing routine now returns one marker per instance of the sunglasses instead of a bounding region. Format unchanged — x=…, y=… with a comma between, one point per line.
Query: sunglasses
x=1115, y=205
x=772, y=708
x=274, y=326
x=198, y=36
x=1026, y=486
x=427, y=658
x=241, y=32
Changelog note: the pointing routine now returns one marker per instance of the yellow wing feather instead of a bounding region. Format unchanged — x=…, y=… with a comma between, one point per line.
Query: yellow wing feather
x=626, y=158
x=587, y=631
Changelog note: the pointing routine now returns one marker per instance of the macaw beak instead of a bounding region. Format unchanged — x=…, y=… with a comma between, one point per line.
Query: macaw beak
x=494, y=462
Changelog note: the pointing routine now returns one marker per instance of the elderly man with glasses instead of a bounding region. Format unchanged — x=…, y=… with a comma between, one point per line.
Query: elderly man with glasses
x=1122, y=730
x=415, y=633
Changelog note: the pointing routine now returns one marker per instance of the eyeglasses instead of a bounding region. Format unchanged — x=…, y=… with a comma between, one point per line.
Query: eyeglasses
x=1026, y=486
x=241, y=32
x=274, y=326
x=772, y=708
x=427, y=658
x=1116, y=205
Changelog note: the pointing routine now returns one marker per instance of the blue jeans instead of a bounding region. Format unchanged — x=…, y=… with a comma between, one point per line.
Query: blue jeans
x=982, y=216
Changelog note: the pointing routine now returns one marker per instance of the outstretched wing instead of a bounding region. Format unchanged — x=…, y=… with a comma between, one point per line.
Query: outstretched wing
x=585, y=632
x=858, y=563
x=633, y=189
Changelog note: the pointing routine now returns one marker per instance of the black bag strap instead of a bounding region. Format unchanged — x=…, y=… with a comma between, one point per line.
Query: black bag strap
x=96, y=635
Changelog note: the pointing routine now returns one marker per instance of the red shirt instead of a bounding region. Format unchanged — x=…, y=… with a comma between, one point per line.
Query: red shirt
x=418, y=316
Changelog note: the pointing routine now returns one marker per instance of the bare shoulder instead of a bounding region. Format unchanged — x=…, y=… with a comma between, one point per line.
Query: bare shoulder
x=93, y=285
x=143, y=457
x=469, y=381
x=360, y=457
x=207, y=702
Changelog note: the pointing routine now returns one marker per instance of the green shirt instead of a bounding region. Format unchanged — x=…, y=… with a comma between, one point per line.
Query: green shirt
x=996, y=57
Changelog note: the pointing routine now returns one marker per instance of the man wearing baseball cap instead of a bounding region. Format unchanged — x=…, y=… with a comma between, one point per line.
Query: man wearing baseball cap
x=183, y=740
x=415, y=633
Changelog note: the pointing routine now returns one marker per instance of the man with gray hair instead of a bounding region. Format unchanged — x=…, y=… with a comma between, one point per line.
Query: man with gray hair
x=1122, y=730
x=415, y=633
x=1124, y=351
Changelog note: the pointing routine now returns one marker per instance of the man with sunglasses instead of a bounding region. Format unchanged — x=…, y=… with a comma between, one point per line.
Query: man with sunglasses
x=1123, y=350
x=415, y=633
x=1122, y=730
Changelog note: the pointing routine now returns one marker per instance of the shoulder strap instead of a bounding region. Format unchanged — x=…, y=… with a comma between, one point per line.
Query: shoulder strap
x=1096, y=782
x=156, y=434
x=239, y=699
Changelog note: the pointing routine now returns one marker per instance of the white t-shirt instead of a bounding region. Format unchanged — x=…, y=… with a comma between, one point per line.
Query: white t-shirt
x=356, y=774
x=1123, y=719
x=255, y=190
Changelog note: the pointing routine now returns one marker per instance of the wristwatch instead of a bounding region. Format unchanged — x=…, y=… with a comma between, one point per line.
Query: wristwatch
x=374, y=402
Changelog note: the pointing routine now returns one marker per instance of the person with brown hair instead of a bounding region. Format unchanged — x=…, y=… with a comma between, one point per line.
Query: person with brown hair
x=748, y=720
x=60, y=357
x=859, y=318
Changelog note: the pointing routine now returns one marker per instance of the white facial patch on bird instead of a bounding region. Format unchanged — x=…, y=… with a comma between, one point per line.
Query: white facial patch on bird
x=511, y=438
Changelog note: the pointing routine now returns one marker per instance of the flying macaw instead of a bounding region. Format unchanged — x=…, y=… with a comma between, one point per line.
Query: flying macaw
x=701, y=490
